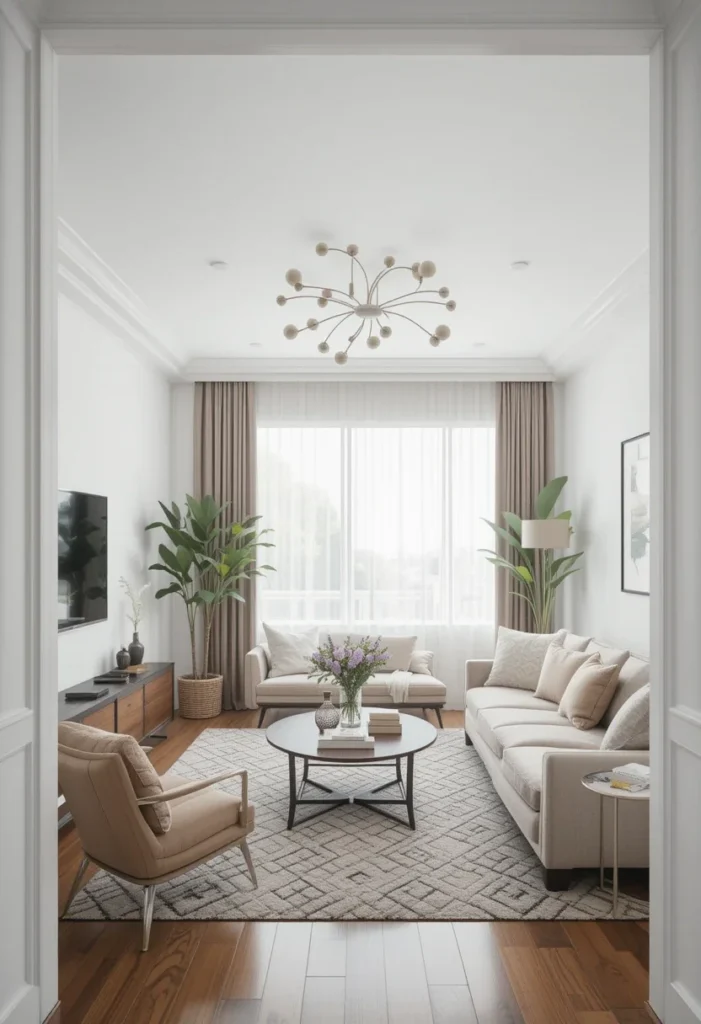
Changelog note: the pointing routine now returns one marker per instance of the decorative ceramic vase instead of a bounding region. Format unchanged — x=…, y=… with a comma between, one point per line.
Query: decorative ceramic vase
x=136, y=650
x=326, y=715
x=124, y=658
x=351, y=707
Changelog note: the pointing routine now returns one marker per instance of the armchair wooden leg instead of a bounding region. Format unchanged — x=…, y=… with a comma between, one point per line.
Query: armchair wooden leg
x=440, y=719
x=76, y=884
x=149, y=902
x=249, y=863
x=261, y=716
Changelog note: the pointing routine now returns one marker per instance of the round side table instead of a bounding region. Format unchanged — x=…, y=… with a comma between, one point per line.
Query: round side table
x=604, y=791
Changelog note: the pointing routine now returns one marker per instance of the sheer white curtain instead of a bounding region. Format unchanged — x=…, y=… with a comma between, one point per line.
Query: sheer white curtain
x=376, y=493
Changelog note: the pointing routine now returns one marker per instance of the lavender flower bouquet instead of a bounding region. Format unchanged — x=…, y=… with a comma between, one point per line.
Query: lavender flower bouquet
x=349, y=665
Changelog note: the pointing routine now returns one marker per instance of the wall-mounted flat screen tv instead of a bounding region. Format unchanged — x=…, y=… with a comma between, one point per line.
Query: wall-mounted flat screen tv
x=82, y=559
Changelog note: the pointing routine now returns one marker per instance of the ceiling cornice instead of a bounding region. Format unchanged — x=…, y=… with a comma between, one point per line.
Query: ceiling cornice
x=89, y=282
x=363, y=369
x=578, y=345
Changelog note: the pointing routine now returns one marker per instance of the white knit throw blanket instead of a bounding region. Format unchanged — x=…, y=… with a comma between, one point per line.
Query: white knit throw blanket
x=399, y=686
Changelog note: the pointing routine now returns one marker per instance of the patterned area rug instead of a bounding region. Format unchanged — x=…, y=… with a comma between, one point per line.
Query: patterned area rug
x=466, y=861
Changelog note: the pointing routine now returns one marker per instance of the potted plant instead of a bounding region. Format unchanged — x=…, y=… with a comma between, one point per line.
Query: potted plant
x=537, y=576
x=349, y=666
x=207, y=558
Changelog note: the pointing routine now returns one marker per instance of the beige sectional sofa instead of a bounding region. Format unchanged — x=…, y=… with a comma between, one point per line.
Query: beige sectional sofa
x=299, y=691
x=536, y=760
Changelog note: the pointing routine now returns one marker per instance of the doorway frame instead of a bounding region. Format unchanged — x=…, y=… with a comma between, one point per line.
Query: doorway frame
x=500, y=39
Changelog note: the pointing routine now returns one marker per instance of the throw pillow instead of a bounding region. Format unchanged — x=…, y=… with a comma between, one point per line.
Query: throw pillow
x=290, y=653
x=558, y=668
x=142, y=775
x=573, y=642
x=632, y=677
x=630, y=728
x=519, y=657
x=422, y=663
x=609, y=655
x=400, y=650
x=589, y=693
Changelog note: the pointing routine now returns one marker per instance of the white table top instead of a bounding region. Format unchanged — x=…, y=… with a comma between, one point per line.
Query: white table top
x=603, y=788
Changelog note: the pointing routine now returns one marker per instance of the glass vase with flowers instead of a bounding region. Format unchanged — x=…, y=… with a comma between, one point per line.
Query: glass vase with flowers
x=349, y=665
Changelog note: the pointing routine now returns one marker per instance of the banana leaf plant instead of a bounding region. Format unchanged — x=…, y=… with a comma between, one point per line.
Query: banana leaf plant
x=536, y=573
x=208, y=558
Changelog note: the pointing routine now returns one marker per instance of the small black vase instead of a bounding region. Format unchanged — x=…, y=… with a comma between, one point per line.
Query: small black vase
x=136, y=650
x=123, y=658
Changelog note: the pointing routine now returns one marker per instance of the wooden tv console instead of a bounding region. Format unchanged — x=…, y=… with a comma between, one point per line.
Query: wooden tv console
x=140, y=707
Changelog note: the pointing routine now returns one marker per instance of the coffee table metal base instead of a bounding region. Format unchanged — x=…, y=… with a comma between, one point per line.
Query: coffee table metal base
x=365, y=798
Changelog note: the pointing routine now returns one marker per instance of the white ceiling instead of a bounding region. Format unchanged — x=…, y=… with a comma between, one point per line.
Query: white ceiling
x=474, y=162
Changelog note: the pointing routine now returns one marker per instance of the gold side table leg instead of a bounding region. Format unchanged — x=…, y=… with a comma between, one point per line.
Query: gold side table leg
x=601, y=841
x=615, y=858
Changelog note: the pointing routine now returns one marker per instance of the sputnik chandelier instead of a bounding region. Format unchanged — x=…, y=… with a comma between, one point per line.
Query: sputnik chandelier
x=370, y=309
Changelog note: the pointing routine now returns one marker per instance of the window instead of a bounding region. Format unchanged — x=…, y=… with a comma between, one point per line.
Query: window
x=377, y=522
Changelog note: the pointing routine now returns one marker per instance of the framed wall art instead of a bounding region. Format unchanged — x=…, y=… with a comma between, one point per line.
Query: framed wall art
x=635, y=515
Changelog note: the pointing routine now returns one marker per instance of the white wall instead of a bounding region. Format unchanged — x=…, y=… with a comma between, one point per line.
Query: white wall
x=602, y=404
x=182, y=482
x=113, y=439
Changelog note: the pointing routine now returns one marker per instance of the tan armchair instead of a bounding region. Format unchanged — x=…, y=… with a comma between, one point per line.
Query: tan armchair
x=140, y=826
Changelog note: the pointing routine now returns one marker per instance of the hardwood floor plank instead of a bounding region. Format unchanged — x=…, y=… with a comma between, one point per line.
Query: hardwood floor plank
x=492, y=995
x=563, y=966
x=541, y=999
x=547, y=933
x=619, y=978
x=327, y=950
x=451, y=1004
x=249, y=967
x=626, y=936
x=407, y=991
x=324, y=1001
x=284, y=986
x=199, y=995
x=366, y=992
x=596, y=1017
x=632, y=1015
x=512, y=933
x=441, y=955
x=160, y=989
x=238, y=1011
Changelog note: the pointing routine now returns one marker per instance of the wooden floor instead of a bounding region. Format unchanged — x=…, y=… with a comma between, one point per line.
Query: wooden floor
x=355, y=973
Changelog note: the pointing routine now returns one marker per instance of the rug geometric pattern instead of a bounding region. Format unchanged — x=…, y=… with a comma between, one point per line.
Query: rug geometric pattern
x=466, y=861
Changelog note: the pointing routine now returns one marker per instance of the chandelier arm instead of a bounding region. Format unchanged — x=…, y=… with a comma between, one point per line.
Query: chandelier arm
x=326, y=318
x=322, y=287
x=414, y=302
x=407, y=295
x=289, y=298
x=393, y=312
x=383, y=273
x=333, y=248
x=335, y=326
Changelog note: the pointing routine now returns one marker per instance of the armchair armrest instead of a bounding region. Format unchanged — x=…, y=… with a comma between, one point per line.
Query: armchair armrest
x=477, y=672
x=255, y=671
x=569, y=813
x=195, y=785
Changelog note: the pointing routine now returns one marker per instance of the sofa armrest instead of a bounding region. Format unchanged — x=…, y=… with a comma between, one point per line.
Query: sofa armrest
x=569, y=813
x=255, y=671
x=477, y=672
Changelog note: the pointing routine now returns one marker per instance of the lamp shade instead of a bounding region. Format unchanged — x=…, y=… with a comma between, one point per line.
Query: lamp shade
x=545, y=533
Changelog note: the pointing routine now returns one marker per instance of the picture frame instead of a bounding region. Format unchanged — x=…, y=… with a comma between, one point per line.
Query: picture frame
x=635, y=515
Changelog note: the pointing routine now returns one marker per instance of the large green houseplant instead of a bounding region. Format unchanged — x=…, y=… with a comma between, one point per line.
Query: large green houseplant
x=537, y=573
x=208, y=558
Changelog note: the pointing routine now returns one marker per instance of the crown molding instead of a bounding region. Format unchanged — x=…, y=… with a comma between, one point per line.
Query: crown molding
x=580, y=344
x=90, y=283
x=362, y=369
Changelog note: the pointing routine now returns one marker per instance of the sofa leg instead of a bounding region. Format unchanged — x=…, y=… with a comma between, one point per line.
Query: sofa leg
x=468, y=741
x=261, y=716
x=438, y=715
x=557, y=879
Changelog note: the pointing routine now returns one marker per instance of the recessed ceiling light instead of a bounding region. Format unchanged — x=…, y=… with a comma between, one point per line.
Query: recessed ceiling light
x=218, y=264
x=520, y=265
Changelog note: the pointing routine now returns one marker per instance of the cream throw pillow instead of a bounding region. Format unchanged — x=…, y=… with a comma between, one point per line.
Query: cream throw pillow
x=142, y=775
x=630, y=728
x=589, y=693
x=574, y=642
x=290, y=653
x=422, y=663
x=558, y=668
x=519, y=657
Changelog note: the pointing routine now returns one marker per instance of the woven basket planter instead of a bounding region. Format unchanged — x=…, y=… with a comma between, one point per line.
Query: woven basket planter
x=200, y=698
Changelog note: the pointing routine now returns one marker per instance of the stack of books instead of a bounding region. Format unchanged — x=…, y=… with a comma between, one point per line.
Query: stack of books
x=632, y=777
x=347, y=739
x=384, y=723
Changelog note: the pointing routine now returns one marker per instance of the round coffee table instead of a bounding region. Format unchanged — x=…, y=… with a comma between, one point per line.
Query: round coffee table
x=298, y=737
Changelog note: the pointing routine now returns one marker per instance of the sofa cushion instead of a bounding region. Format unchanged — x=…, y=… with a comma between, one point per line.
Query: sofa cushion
x=142, y=775
x=589, y=693
x=519, y=656
x=634, y=674
x=630, y=729
x=609, y=655
x=558, y=668
x=523, y=769
x=422, y=663
x=500, y=735
x=479, y=698
x=291, y=652
x=377, y=688
x=573, y=642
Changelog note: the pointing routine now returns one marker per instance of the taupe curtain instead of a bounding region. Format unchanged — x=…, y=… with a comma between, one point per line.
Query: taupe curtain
x=524, y=463
x=225, y=467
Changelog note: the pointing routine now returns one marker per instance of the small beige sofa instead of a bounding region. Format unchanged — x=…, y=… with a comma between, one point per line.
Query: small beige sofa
x=536, y=760
x=299, y=691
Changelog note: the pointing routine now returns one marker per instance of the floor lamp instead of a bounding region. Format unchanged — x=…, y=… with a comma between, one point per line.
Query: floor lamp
x=545, y=535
